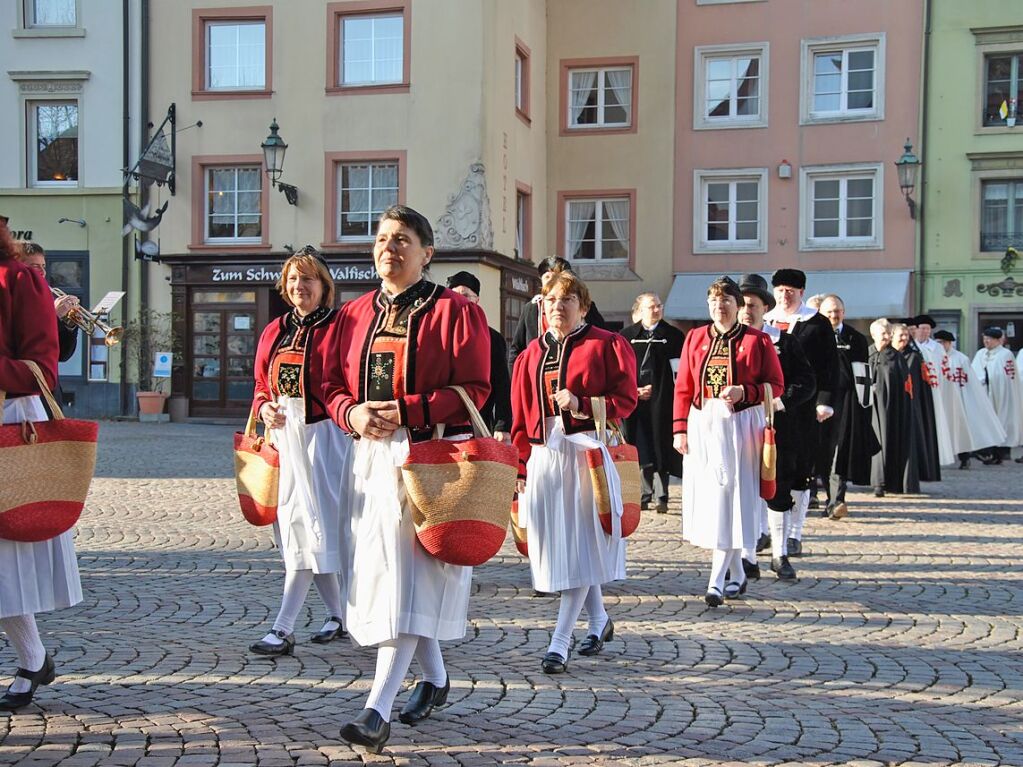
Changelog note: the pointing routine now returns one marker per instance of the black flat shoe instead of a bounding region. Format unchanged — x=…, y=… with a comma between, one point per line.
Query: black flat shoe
x=593, y=644
x=368, y=730
x=879, y=492
x=553, y=663
x=329, y=635
x=763, y=542
x=783, y=569
x=713, y=597
x=965, y=463
x=662, y=507
x=735, y=590
x=424, y=698
x=750, y=570
x=794, y=547
x=287, y=647
x=12, y=701
x=814, y=503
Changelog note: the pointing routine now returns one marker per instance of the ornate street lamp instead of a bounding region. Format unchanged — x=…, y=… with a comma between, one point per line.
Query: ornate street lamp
x=908, y=167
x=273, y=156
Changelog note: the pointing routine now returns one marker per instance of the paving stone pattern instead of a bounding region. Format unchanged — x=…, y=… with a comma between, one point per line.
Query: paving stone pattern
x=899, y=644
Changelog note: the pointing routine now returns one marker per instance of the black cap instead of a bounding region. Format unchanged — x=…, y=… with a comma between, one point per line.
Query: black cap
x=465, y=280
x=792, y=278
x=757, y=285
x=943, y=335
x=993, y=332
x=924, y=319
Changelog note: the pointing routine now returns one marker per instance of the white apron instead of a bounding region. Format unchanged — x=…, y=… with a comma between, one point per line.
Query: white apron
x=721, y=477
x=312, y=498
x=568, y=548
x=394, y=586
x=43, y=576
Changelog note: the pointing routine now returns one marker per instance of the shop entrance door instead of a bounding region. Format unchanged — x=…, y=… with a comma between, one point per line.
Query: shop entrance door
x=223, y=334
x=1011, y=324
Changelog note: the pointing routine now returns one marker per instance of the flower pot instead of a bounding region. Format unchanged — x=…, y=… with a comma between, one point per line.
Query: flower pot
x=150, y=405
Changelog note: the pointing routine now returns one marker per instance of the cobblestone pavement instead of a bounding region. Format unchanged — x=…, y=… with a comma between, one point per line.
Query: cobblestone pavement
x=899, y=644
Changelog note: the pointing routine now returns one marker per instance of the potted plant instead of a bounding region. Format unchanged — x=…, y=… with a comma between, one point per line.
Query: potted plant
x=146, y=334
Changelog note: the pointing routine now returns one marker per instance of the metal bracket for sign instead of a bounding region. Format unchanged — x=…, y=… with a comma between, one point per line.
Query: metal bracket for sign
x=157, y=162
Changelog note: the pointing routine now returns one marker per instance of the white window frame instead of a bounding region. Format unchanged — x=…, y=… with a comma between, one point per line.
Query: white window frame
x=32, y=144
x=598, y=219
x=342, y=81
x=810, y=174
x=339, y=175
x=207, y=239
x=810, y=47
x=207, y=63
x=703, y=177
x=1016, y=193
x=701, y=55
x=521, y=66
x=601, y=123
x=28, y=9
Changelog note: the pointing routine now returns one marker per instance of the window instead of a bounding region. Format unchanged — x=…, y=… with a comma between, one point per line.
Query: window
x=597, y=229
x=53, y=142
x=600, y=98
x=234, y=204
x=843, y=79
x=730, y=210
x=523, y=221
x=51, y=13
x=70, y=273
x=731, y=86
x=99, y=357
x=232, y=53
x=842, y=207
x=372, y=49
x=1001, y=216
x=236, y=55
x=365, y=191
x=1002, y=88
x=522, y=80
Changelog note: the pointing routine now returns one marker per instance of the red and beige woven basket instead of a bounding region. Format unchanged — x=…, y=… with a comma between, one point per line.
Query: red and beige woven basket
x=626, y=461
x=257, y=473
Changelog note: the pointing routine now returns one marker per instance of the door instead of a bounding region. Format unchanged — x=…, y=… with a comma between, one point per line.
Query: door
x=1011, y=324
x=223, y=339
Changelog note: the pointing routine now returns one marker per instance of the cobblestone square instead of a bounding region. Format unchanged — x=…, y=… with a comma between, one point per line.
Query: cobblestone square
x=899, y=644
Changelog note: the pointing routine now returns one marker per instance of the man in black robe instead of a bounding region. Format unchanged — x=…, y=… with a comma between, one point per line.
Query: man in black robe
x=532, y=320
x=921, y=400
x=794, y=419
x=656, y=344
x=496, y=411
x=847, y=439
x=894, y=468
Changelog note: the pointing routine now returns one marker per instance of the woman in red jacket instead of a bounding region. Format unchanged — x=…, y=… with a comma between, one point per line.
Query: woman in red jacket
x=314, y=453
x=389, y=359
x=553, y=386
x=43, y=576
x=719, y=428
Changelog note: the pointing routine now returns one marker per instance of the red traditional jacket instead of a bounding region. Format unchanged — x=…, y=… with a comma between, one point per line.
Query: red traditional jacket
x=594, y=363
x=28, y=329
x=312, y=368
x=448, y=343
x=752, y=362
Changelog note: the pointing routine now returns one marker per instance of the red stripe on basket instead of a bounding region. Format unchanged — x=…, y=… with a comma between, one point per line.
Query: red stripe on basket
x=51, y=431
x=39, y=521
x=255, y=513
x=465, y=542
x=268, y=453
x=440, y=451
x=630, y=520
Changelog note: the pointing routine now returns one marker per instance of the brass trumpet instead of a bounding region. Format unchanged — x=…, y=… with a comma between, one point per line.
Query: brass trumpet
x=80, y=317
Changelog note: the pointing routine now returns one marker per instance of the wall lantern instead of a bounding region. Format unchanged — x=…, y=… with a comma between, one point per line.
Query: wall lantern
x=908, y=167
x=273, y=156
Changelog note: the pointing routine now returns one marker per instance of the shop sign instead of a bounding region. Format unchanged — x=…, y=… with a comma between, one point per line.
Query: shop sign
x=268, y=275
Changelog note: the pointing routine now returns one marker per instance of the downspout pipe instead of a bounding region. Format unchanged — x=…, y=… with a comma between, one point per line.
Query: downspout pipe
x=925, y=119
x=126, y=129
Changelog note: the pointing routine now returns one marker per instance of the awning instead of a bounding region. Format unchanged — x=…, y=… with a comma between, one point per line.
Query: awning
x=866, y=294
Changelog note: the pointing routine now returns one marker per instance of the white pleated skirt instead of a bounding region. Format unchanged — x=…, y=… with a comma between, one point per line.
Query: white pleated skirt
x=394, y=586
x=568, y=548
x=312, y=499
x=721, y=481
x=43, y=576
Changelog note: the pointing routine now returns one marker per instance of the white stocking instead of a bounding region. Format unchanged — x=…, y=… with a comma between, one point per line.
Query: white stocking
x=802, y=503
x=431, y=662
x=779, y=535
x=595, y=611
x=296, y=586
x=393, y=659
x=329, y=589
x=718, y=564
x=568, y=613
x=736, y=573
x=23, y=634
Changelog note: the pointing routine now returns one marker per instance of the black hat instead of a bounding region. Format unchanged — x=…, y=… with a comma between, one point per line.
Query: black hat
x=993, y=332
x=792, y=278
x=943, y=335
x=925, y=319
x=465, y=280
x=730, y=287
x=757, y=285
x=553, y=264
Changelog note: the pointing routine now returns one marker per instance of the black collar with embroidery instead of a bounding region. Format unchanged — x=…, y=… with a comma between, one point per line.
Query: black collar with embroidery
x=313, y=318
x=551, y=341
x=420, y=291
x=728, y=335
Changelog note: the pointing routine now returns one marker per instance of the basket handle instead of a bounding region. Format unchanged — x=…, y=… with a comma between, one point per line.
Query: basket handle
x=479, y=426
x=605, y=428
x=44, y=390
x=250, y=429
x=769, y=405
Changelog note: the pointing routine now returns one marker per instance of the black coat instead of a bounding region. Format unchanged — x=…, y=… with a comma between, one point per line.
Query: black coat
x=818, y=341
x=849, y=441
x=529, y=327
x=649, y=426
x=895, y=467
x=497, y=410
x=797, y=423
x=68, y=338
x=925, y=433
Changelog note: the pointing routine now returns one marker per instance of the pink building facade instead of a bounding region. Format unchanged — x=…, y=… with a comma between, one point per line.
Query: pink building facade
x=789, y=117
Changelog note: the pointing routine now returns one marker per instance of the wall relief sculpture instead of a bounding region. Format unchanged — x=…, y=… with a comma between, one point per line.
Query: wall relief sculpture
x=465, y=224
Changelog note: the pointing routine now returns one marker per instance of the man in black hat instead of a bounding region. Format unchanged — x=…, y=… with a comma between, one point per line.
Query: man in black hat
x=656, y=344
x=794, y=423
x=996, y=369
x=497, y=410
x=817, y=338
x=532, y=323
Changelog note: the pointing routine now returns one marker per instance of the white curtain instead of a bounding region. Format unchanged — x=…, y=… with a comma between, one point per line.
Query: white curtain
x=583, y=84
x=616, y=212
x=580, y=216
x=620, y=81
